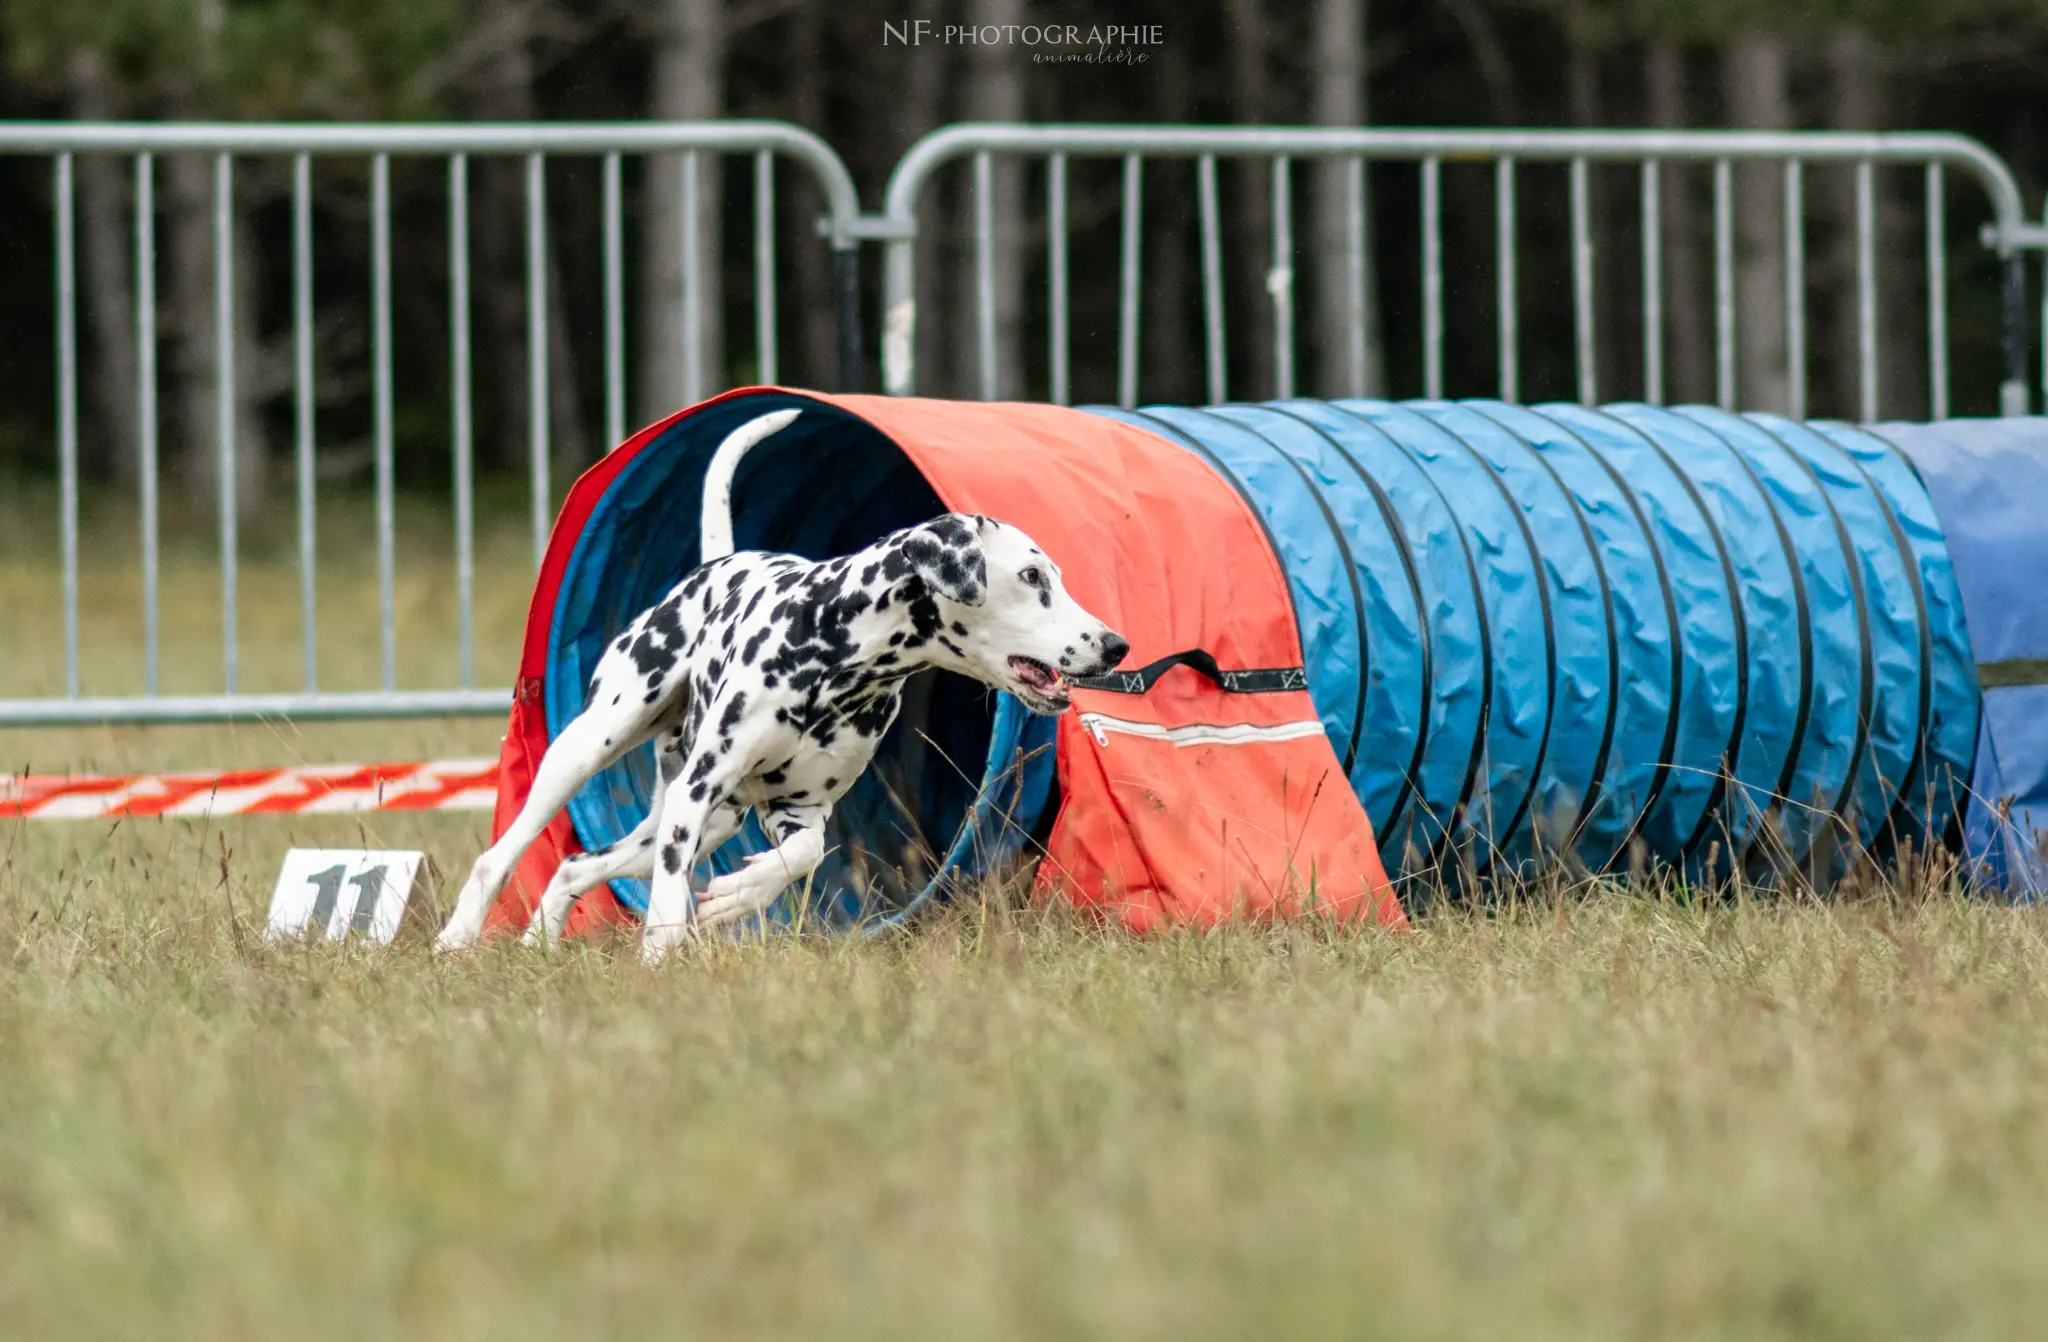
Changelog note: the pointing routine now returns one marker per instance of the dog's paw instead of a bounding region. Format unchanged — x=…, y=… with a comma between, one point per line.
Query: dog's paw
x=656, y=943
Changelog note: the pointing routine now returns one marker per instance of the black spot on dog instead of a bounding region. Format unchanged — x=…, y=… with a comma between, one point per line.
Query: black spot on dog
x=697, y=791
x=671, y=859
x=652, y=695
x=752, y=647
x=925, y=619
x=959, y=629
x=776, y=777
x=701, y=770
x=734, y=710
x=950, y=646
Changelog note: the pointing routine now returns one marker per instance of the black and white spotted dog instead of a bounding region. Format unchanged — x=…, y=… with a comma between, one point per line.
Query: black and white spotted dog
x=766, y=682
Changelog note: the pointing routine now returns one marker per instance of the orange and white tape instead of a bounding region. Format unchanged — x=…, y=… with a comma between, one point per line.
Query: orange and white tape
x=439, y=785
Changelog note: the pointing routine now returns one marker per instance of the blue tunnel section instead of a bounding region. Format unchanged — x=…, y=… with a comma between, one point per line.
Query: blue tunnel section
x=1723, y=643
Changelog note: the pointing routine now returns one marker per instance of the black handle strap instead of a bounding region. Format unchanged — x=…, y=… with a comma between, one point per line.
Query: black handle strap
x=1256, y=680
x=2016, y=671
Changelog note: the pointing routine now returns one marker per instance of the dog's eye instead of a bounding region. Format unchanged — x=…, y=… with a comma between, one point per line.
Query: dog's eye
x=1032, y=577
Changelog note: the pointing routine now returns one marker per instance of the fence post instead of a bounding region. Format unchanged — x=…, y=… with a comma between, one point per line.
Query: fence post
x=2012, y=393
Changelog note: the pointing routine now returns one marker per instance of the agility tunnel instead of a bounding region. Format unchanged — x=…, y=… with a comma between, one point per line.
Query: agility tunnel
x=1722, y=643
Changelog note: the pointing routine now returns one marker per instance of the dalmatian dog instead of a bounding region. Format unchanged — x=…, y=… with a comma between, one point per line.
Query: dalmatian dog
x=766, y=681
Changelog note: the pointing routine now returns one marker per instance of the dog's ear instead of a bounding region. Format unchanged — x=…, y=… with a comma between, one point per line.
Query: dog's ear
x=946, y=554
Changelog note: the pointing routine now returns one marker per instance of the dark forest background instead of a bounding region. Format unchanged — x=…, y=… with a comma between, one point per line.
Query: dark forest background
x=1979, y=67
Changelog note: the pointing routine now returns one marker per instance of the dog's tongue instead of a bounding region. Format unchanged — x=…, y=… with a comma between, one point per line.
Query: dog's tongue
x=1034, y=673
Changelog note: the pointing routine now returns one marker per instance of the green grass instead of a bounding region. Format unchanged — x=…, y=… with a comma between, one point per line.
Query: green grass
x=1614, y=1114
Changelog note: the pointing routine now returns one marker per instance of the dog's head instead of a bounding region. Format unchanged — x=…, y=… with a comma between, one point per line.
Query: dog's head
x=1003, y=616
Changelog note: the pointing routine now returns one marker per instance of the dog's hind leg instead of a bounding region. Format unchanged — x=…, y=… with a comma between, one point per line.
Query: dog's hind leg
x=595, y=739
x=630, y=856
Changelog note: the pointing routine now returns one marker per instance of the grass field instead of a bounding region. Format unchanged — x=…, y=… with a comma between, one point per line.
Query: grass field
x=1616, y=1113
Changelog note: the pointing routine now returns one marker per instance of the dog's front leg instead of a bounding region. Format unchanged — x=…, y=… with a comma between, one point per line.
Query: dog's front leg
x=799, y=834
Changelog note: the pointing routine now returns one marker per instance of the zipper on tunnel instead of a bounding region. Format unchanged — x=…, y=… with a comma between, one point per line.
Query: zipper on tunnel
x=1101, y=725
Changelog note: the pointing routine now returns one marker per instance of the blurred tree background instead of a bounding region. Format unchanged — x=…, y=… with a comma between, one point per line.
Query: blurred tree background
x=1979, y=67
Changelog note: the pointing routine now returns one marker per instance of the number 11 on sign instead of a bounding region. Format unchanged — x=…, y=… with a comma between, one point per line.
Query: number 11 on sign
x=342, y=892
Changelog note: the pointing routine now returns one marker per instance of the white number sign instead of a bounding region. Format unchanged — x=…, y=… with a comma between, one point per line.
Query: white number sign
x=343, y=892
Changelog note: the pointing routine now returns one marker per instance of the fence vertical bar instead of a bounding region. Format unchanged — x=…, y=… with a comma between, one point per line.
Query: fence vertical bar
x=1582, y=282
x=766, y=365
x=1507, y=318
x=985, y=274
x=1354, y=275
x=145, y=403
x=462, y=412
x=692, y=312
x=1866, y=291
x=1212, y=277
x=1653, y=281
x=2020, y=382
x=1724, y=284
x=67, y=413
x=537, y=334
x=1795, y=288
x=380, y=297
x=1937, y=293
x=614, y=304
x=1280, y=280
x=1056, y=276
x=1432, y=278
x=224, y=398
x=302, y=408
x=1127, y=285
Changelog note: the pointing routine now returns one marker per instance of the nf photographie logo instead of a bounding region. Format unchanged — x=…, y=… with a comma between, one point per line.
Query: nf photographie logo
x=1051, y=43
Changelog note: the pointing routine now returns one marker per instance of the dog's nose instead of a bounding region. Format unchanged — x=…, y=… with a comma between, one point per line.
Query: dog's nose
x=1114, y=646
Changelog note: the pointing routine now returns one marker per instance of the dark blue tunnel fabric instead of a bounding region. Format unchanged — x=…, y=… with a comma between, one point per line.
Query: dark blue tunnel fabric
x=1643, y=659
x=1520, y=640
x=1577, y=634
x=1949, y=699
x=1891, y=724
x=1678, y=629
x=1988, y=483
x=1705, y=630
x=1825, y=675
x=1770, y=662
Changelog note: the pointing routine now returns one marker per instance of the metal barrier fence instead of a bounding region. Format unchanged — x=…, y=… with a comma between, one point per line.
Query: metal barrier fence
x=843, y=229
x=1430, y=150
x=61, y=142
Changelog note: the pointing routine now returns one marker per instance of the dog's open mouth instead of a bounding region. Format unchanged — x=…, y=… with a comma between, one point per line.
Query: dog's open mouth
x=1038, y=685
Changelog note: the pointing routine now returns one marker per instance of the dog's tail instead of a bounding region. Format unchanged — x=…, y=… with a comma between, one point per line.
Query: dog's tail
x=714, y=529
